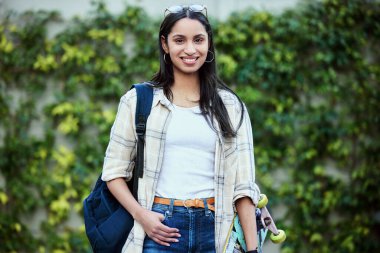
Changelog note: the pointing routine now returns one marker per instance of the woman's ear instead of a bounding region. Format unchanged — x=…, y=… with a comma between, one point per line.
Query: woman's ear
x=164, y=44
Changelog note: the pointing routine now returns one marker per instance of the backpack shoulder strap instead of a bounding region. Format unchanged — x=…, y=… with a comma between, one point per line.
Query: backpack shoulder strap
x=143, y=107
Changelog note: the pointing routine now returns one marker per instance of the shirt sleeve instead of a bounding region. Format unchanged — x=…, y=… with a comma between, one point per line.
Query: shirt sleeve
x=121, y=150
x=245, y=185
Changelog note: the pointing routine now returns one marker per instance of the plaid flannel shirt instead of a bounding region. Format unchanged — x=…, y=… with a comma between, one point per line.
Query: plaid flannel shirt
x=234, y=161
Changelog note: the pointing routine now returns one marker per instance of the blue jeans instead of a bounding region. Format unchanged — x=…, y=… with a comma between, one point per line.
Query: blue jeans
x=196, y=226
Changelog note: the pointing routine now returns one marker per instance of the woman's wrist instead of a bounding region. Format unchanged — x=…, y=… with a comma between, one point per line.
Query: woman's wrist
x=138, y=213
x=251, y=251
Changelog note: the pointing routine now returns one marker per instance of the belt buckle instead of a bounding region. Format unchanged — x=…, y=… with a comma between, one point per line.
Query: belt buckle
x=197, y=203
x=184, y=203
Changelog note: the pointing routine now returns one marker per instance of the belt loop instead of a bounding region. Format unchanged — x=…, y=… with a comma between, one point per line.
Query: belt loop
x=207, y=212
x=170, y=211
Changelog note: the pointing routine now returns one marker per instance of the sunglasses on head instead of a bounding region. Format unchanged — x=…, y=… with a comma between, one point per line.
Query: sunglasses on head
x=180, y=8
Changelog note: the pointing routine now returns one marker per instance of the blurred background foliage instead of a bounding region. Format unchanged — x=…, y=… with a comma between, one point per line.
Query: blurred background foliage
x=309, y=76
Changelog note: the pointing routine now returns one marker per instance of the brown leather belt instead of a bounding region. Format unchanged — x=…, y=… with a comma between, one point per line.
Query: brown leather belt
x=197, y=203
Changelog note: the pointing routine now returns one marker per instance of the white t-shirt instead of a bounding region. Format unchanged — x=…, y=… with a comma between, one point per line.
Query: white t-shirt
x=188, y=165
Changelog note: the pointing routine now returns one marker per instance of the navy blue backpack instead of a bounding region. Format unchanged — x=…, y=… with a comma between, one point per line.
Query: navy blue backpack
x=107, y=223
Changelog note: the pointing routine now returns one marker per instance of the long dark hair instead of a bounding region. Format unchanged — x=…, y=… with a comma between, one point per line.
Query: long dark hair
x=210, y=102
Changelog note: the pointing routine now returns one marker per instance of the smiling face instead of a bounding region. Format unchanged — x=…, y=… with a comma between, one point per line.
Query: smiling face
x=187, y=44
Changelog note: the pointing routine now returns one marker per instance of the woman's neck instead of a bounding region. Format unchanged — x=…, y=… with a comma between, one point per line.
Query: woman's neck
x=186, y=90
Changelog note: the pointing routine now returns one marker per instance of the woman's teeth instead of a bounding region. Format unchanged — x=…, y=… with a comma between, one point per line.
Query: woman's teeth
x=189, y=60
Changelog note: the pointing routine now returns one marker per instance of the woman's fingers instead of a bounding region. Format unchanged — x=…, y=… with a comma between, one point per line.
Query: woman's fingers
x=170, y=236
x=165, y=239
x=160, y=242
x=157, y=231
x=162, y=239
x=165, y=235
x=167, y=229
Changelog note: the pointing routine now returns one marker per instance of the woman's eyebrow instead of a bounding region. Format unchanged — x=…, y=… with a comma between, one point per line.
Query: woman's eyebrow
x=182, y=35
x=178, y=35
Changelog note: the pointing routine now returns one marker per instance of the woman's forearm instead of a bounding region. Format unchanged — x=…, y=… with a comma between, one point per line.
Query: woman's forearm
x=119, y=189
x=247, y=215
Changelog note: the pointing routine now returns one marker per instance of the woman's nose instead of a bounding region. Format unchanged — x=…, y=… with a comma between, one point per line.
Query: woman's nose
x=190, y=49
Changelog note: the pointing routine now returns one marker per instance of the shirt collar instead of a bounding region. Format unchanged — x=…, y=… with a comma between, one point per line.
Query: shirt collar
x=159, y=97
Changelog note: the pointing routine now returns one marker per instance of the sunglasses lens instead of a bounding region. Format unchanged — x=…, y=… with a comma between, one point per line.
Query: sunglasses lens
x=175, y=9
x=181, y=8
x=197, y=7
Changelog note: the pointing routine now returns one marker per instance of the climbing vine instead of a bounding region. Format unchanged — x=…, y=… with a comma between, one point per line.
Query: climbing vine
x=309, y=77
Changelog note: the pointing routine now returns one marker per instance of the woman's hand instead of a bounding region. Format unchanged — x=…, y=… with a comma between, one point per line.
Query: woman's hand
x=158, y=232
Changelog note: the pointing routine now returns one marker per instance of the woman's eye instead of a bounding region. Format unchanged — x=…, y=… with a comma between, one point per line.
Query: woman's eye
x=199, y=40
x=179, y=41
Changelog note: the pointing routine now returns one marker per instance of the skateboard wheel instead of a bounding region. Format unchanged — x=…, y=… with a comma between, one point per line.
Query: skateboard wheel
x=279, y=238
x=263, y=201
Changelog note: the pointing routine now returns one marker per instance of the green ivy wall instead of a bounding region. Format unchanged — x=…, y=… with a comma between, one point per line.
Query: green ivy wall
x=309, y=76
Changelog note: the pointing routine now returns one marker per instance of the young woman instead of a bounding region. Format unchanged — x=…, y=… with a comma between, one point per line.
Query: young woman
x=199, y=165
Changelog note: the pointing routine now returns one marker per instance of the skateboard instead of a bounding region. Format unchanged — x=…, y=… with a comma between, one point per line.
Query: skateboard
x=264, y=222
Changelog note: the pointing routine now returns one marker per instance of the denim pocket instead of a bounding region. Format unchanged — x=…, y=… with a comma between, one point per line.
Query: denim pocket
x=162, y=209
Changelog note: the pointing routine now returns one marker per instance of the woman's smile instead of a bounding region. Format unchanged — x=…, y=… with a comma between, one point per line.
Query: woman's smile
x=189, y=60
